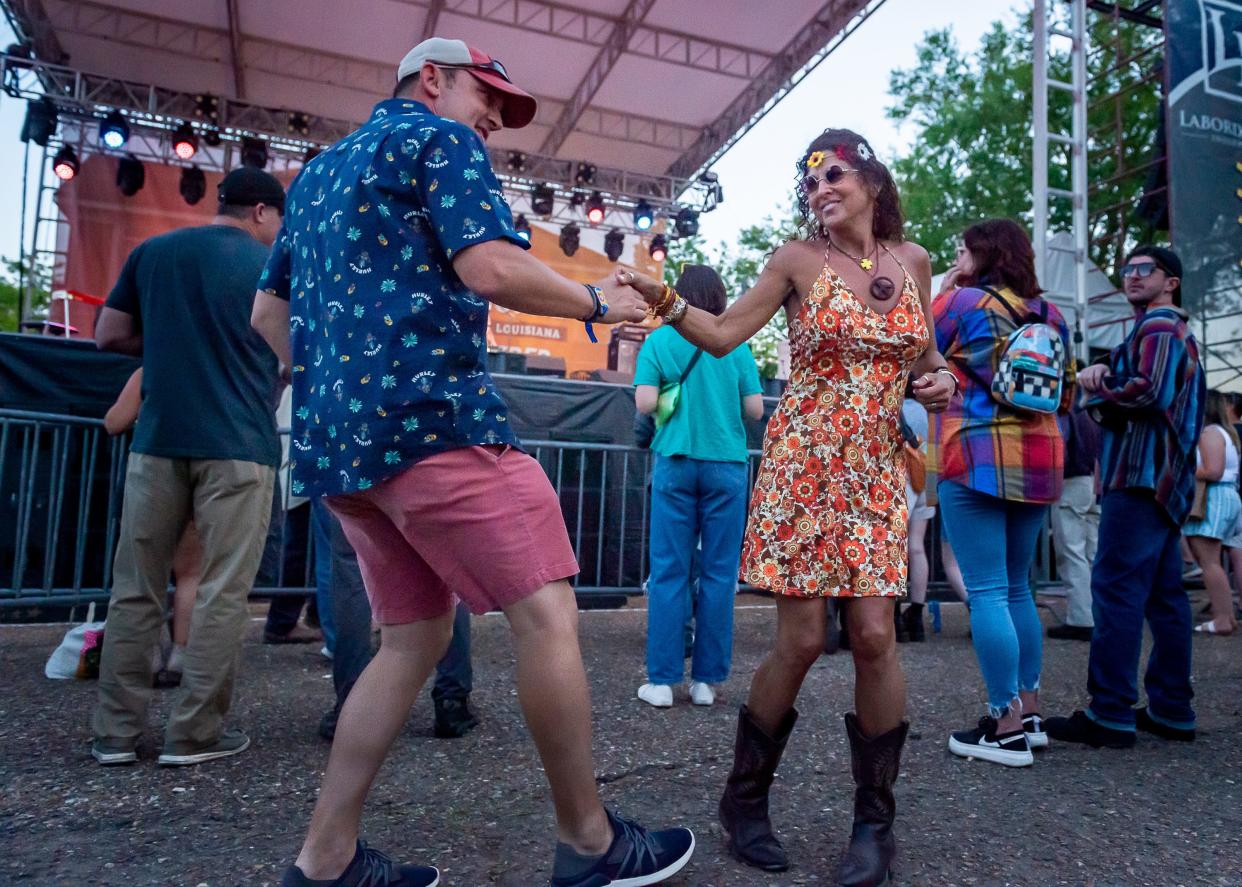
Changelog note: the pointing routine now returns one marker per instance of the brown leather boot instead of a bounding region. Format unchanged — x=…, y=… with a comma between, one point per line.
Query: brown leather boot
x=744, y=807
x=875, y=762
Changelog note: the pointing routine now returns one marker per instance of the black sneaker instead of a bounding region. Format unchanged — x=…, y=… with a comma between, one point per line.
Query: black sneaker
x=1010, y=749
x=369, y=868
x=1033, y=724
x=231, y=742
x=1067, y=632
x=1080, y=728
x=636, y=858
x=454, y=719
x=111, y=752
x=1145, y=722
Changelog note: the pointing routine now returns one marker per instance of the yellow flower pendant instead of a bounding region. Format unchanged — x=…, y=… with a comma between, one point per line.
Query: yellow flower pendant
x=866, y=264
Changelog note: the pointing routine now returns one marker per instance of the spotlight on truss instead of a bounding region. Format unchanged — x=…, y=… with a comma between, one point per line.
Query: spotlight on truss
x=614, y=243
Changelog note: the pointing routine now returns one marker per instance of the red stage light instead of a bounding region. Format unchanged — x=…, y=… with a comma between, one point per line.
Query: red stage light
x=595, y=208
x=65, y=164
x=185, y=143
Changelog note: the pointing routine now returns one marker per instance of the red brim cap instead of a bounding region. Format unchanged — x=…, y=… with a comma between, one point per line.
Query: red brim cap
x=519, y=105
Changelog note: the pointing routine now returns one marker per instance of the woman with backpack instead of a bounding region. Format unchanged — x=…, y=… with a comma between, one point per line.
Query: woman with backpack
x=699, y=491
x=995, y=461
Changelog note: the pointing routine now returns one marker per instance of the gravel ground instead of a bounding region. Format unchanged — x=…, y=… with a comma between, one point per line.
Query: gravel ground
x=1162, y=814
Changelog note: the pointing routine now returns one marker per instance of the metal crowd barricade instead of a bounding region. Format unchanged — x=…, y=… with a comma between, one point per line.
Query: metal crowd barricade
x=62, y=479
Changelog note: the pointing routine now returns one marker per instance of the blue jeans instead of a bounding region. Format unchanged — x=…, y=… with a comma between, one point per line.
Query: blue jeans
x=694, y=502
x=1137, y=575
x=994, y=540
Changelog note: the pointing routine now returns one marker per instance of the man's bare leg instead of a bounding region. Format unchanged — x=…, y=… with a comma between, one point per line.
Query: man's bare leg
x=374, y=715
x=552, y=689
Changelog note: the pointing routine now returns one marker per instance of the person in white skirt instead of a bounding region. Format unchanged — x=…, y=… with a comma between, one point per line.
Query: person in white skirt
x=1218, y=467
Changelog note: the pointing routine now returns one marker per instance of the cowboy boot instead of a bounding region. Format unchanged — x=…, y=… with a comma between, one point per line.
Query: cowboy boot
x=875, y=763
x=744, y=807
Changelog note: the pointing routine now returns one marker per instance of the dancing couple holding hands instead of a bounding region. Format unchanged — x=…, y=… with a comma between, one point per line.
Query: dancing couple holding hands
x=828, y=512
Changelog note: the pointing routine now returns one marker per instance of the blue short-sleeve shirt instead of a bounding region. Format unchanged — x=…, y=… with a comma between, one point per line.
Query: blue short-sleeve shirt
x=388, y=345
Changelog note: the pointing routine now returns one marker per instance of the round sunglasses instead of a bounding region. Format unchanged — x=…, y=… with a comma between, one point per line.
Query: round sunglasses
x=1140, y=270
x=832, y=175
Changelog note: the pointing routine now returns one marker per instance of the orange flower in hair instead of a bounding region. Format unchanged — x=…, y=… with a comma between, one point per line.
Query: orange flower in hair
x=816, y=158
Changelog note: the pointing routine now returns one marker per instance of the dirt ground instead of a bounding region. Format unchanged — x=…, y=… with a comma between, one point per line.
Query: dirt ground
x=1161, y=814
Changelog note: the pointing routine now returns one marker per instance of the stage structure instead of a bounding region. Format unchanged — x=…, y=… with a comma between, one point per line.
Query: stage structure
x=637, y=99
x=1181, y=182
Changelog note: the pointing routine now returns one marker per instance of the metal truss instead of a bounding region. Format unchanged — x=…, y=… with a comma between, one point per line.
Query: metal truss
x=595, y=29
x=835, y=21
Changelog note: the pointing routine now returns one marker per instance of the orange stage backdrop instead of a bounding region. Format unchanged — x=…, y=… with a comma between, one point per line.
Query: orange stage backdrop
x=104, y=226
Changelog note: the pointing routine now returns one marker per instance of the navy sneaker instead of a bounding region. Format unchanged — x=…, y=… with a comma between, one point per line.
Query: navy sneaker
x=369, y=868
x=1145, y=722
x=1080, y=728
x=637, y=857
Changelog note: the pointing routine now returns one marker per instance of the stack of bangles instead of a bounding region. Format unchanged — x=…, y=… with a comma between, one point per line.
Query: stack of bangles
x=670, y=308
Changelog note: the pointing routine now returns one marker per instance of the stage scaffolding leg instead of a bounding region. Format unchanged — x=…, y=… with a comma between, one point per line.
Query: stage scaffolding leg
x=1076, y=141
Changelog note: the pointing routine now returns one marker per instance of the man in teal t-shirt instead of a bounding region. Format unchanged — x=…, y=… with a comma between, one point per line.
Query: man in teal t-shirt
x=699, y=492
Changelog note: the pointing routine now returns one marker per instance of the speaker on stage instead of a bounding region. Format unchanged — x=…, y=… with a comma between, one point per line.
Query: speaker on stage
x=627, y=339
x=506, y=362
x=539, y=365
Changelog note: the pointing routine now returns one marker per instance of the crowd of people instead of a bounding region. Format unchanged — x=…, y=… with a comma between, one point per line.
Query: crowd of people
x=374, y=274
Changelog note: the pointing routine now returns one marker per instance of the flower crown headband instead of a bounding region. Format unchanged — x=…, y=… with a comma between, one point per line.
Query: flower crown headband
x=816, y=159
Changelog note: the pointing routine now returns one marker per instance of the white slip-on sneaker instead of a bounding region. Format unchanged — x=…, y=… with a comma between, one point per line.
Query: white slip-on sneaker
x=659, y=695
x=1033, y=724
x=702, y=694
x=1010, y=749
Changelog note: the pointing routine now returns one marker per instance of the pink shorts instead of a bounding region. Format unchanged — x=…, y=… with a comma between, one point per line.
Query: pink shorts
x=482, y=524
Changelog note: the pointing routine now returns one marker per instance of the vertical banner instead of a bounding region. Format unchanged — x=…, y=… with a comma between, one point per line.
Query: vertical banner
x=1204, y=129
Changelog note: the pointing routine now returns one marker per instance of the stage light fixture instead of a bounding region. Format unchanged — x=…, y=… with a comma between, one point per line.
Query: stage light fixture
x=114, y=131
x=193, y=184
x=40, y=123
x=131, y=175
x=595, y=208
x=522, y=227
x=298, y=123
x=184, y=141
x=643, y=215
x=65, y=163
x=211, y=137
x=543, y=200
x=659, y=248
x=516, y=162
x=207, y=107
x=687, y=222
x=614, y=243
x=569, y=239
x=585, y=174
x=576, y=199
x=253, y=152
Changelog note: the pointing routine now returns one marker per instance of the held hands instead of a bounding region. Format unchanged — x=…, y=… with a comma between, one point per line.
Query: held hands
x=624, y=303
x=648, y=288
x=1091, y=378
x=934, y=390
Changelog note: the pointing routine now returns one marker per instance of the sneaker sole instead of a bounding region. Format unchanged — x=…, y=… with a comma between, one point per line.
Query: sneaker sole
x=168, y=760
x=994, y=755
x=656, y=877
x=114, y=758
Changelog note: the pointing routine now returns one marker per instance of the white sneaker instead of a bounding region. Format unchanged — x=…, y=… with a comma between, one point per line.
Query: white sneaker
x=702, y=694
x=659, y=695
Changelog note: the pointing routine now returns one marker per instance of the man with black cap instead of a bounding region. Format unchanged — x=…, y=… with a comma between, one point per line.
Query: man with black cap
x=205, y=447
x=1148, y=397
x=396, y=240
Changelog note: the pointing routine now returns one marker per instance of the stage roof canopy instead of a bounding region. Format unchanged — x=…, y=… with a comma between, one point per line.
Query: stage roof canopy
x=654, y=87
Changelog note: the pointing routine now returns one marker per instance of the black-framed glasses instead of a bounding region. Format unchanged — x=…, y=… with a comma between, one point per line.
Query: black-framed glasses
x=1140, y=270
x=494, y=65
x=832, y=175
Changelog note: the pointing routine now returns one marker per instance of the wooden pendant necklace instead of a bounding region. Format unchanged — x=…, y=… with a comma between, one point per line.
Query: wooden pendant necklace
x=882, y=288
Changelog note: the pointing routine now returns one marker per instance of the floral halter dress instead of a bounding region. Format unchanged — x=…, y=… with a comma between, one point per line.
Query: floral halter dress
x=828, y=512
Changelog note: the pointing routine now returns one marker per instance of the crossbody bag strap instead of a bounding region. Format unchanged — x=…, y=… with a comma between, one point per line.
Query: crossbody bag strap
x=693, y=360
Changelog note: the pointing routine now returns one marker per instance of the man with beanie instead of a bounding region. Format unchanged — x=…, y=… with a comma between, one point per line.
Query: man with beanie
x=397, y=239
x=1148, y=397
x=205, y=447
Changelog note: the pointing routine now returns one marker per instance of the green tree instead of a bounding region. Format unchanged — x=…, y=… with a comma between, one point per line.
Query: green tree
x=972, y=120
x=11, y=280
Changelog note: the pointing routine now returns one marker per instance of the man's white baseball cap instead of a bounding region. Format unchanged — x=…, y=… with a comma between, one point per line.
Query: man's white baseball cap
x=519, y=106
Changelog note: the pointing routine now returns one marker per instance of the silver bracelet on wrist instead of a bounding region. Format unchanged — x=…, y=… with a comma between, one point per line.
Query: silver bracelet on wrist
x=677, y=312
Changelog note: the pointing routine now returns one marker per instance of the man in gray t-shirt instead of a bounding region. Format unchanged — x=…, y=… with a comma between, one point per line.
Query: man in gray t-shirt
x=205, y=447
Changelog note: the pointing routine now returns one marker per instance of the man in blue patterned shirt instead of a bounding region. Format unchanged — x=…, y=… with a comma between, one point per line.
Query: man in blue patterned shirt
x=395, y=241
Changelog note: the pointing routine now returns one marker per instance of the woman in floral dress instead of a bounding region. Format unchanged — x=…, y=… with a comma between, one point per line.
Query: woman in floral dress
x=828, y=512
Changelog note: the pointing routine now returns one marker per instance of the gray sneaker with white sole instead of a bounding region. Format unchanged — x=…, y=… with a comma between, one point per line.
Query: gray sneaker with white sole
x=231, y=742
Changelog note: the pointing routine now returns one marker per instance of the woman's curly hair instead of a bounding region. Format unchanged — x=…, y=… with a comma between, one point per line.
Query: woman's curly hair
x=848, y=147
